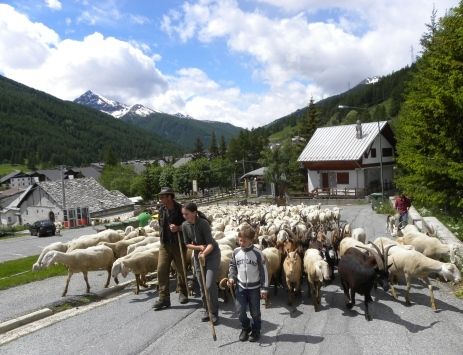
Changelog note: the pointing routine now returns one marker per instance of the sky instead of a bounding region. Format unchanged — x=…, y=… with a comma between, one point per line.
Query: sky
x=246, y=62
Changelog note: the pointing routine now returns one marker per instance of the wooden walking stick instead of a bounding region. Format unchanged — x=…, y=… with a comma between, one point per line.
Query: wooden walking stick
x=206, y=293
x=183, y=260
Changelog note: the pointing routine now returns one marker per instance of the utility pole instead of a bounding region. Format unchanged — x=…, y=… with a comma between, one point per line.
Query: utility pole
x=62, y=187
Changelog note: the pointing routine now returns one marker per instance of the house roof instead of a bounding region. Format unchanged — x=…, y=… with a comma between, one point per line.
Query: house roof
x=89, y=171
x=84, y=192
x=182, y=161
x=339, y=143
x=257, y=172
x=9, y=176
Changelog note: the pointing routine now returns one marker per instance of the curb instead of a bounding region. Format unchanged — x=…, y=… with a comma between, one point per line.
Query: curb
x=57, y=307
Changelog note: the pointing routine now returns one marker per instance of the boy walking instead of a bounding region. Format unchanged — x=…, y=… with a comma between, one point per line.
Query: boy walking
x=249, y=272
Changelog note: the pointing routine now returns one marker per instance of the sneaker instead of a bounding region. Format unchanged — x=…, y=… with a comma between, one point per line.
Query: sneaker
x=204, y=315
x=182, y=299
x=244, y=335
x=254, y=336
x=161, y=303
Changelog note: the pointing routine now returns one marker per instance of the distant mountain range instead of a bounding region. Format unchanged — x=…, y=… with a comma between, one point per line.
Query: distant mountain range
x=178, y=128
x=38, y=128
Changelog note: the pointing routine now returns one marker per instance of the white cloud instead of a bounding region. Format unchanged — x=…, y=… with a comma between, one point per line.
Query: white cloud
x=331, y=53
x=34, y=55
x=53, y=4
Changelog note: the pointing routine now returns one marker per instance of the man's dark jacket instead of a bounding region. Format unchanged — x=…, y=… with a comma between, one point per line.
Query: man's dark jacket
x=167, y=217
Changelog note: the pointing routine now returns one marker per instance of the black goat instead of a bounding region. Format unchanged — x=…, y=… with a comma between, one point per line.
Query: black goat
x=360, y=271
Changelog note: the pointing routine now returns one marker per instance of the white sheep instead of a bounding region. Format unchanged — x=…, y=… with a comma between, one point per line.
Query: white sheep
x=82, y=260
x=58, y=246
x=348, y=242
x=413, y=265
x=273, y=263
x=128, y=229
x=359, y=234
x=133, y=234
x=429, y=246
x=317, y=271
x=140, y=264
x=144, y=241
x=91, y=240
x=120, y=248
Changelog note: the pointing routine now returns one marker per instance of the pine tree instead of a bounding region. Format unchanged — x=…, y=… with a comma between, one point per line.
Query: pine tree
x=213, y=148
x=309, y=124
x=430, y=127
x=199, y=148
x=222, y=147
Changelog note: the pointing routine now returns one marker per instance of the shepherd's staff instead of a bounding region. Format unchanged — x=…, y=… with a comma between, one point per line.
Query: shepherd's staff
x=222, y=284
x=183, y=259
x=206, y=293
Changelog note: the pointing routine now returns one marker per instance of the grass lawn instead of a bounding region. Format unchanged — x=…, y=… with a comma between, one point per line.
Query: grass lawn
x=9, y=168
x=19, y=272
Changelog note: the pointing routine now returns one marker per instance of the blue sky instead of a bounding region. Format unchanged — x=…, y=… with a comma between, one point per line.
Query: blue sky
x=247, y=62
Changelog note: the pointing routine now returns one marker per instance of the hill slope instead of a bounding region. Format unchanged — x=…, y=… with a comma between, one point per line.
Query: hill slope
x=44, y=129
x=177, y=128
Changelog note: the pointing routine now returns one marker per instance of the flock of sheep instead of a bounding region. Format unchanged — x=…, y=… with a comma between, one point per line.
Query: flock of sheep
x=302, y=241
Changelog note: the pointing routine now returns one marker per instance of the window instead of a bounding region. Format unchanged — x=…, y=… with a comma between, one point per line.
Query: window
x=373, y=152
x=342, y=178
x=365, y=155
x=387, y=152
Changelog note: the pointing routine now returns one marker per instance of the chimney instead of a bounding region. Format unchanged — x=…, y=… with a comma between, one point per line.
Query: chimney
x=358, y=130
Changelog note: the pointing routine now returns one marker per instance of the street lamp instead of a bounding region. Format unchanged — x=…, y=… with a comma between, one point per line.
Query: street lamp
x=380, y=145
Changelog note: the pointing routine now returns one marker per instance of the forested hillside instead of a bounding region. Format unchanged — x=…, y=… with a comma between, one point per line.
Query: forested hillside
x=39, y=128
x=184, y=131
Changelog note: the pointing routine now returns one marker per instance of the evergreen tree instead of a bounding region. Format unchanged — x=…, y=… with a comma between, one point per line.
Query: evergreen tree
x=213, y=148
x=222, y=147
x=109, y=157
x=309, y=125
x=430, y=127
x=199, y=148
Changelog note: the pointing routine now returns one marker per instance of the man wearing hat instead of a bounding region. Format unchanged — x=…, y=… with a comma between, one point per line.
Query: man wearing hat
x=170, y=222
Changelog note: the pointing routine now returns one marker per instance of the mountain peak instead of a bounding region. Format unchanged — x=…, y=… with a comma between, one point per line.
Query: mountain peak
x=101, y=103
x=370, y=80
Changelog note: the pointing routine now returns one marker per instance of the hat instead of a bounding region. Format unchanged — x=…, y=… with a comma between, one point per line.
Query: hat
x=166, y=191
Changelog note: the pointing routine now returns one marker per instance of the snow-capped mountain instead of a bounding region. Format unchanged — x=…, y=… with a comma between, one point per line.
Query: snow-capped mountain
x=112, y=107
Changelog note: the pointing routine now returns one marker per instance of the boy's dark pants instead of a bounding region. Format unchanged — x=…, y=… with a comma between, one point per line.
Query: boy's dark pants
x=244, y=298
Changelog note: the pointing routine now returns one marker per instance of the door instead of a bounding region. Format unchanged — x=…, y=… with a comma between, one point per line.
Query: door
x=325, y=181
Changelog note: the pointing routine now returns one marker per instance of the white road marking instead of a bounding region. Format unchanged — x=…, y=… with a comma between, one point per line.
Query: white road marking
x=58, y=317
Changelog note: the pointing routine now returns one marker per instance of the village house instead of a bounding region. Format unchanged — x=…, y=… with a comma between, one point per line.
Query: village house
x=84, y=199
x=347, y=160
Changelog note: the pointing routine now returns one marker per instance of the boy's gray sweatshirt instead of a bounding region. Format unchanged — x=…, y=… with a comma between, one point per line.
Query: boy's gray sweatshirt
x=248, y=267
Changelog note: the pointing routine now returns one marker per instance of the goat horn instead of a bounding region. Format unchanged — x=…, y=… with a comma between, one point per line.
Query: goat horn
x=290, y=232
x=379, y=257
x=386, y=252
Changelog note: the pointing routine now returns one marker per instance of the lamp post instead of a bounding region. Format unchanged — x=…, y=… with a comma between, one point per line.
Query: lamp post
x=380, y=145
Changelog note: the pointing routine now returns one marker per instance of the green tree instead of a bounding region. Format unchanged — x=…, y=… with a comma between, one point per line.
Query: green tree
x=167, y=176
x=221, y=173
x=222, y=147
x=110, y=157
x=181, y=179
x=213, y=148
x=151, y=184
x=282, y=168
x=118, y=177
x=200, y=171
x=430, y=127
x=309, y=125
x=379, y=114
x=199, y=148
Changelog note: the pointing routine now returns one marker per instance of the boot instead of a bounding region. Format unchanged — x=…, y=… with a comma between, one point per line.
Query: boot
x=161, y=303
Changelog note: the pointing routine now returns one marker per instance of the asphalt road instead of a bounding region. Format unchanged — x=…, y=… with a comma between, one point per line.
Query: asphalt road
x=22, y=246
x=128, y=325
